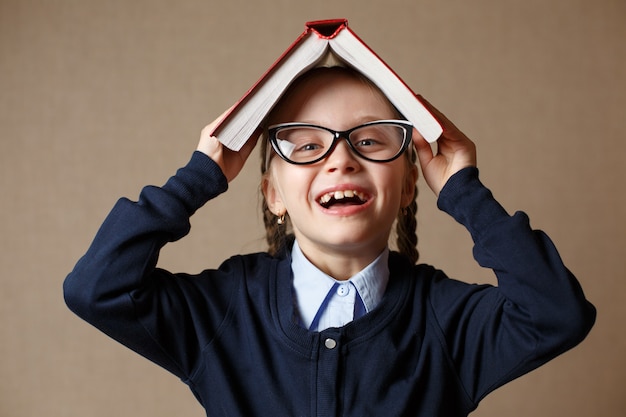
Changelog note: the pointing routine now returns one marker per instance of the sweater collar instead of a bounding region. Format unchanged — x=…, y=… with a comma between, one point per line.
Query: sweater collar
x=283, y=309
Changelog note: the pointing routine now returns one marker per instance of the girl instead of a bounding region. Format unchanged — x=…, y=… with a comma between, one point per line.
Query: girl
x=330, y=321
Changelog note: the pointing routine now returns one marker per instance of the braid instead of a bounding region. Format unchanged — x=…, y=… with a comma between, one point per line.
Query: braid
x=406, y=224
x=406, y=227
x=274, y=233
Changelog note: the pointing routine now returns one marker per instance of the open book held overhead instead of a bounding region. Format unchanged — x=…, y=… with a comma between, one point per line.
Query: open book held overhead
x=323, y=43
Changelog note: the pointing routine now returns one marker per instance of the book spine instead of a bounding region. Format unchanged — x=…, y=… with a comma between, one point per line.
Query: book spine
x=327, y=29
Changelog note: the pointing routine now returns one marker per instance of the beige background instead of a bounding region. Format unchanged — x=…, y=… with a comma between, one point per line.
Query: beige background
x=98, y=98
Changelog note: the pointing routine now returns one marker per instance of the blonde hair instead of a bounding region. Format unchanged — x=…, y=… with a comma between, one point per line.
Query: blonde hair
x=279, y=237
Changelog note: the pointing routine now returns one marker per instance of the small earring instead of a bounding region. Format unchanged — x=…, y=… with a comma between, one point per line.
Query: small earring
x=405, y=211
x=281, y=219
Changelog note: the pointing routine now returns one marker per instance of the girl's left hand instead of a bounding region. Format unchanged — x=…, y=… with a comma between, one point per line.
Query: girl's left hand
x=455, y=151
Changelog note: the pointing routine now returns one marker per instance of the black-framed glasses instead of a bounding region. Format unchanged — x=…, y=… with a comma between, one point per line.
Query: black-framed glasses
x=377, y=141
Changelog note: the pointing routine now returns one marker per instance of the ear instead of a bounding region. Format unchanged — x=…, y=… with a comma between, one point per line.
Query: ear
x=408, y=188
x=272, y=195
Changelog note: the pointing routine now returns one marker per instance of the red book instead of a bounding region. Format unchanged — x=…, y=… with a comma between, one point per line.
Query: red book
x=323, y=43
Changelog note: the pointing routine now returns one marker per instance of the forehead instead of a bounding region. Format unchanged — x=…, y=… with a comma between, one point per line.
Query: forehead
x=332, y=95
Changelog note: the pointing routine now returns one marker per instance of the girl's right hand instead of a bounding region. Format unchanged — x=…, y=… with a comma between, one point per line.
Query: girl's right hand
x=229, y=161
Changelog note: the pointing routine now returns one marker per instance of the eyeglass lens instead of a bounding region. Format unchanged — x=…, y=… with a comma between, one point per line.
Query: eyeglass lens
x=378, y=142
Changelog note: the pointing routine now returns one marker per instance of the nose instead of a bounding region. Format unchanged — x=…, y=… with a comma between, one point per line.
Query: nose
x=342, y=158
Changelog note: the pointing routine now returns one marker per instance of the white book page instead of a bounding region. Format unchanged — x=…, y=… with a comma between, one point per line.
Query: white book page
x=249, y=115
x=361, y=58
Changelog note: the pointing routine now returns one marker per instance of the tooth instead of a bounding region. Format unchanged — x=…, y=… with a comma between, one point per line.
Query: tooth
x=338, y=195
x=360, y=195
x=348, y=193
x=325, y=198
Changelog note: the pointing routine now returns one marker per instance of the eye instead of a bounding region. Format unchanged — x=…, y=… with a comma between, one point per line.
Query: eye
x=305, y=139
x=308, y=147
x=369, y=144
x=366, y=142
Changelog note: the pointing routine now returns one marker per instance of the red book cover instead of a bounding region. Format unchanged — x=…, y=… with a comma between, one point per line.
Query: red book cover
x=340, y=42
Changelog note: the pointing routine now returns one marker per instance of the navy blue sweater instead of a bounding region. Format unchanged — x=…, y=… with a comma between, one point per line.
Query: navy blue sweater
x=433, y=347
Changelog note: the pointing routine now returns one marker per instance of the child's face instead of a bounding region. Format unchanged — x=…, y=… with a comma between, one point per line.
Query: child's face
x=353, y=228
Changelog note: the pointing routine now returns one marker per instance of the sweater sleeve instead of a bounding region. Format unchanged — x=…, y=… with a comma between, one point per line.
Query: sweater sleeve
x=116, y=286
x=536, y=312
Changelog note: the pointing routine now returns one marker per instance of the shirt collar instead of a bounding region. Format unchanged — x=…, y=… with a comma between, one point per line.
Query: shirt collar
x=311, y=285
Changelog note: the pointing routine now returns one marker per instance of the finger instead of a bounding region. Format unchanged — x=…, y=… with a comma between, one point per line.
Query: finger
x=211, y=126
x=432, y=109
x=424, y=150
x=247, y=148
x=209, y=144
x=446, y=124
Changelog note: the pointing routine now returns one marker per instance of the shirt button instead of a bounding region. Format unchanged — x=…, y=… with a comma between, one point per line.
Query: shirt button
x=343, y=290
x=330, y=343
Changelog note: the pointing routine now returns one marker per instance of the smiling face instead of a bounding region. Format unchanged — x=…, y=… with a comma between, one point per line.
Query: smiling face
x=343, y=207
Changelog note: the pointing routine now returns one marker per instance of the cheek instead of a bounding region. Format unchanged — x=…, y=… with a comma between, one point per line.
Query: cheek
x=292, y=183
x=396, y=180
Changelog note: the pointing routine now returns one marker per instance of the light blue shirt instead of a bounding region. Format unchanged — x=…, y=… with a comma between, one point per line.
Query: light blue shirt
x=312, y=285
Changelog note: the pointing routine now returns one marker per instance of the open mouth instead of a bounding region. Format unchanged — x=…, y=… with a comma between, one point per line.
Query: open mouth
x=345, y=197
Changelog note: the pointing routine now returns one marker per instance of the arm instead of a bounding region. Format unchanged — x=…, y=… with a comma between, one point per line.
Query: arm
x=117, y=287
x=538, y=310
x=117, y=276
